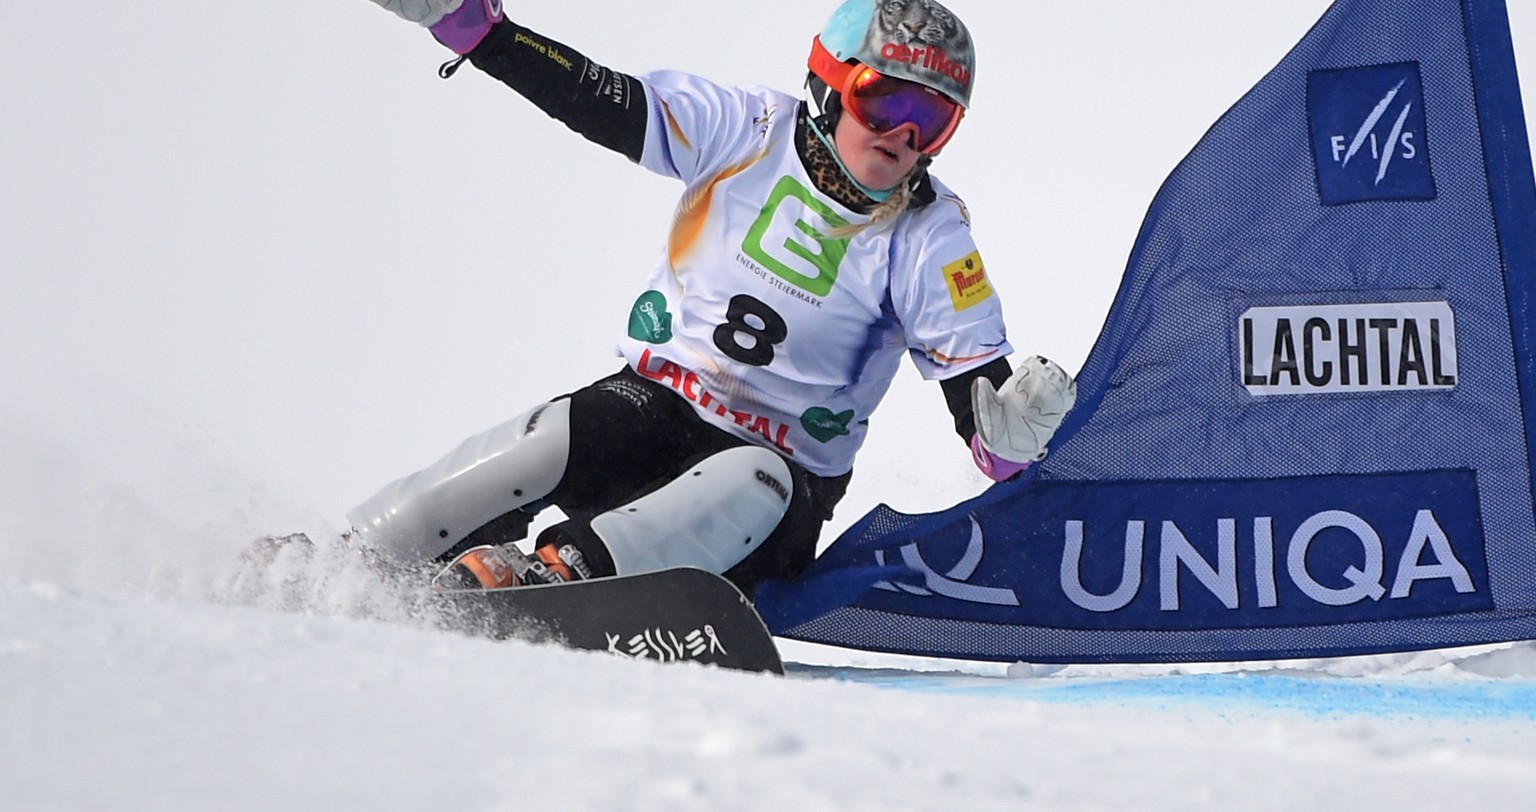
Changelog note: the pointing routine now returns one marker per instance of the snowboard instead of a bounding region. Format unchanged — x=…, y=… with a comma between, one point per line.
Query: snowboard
x=674, y=615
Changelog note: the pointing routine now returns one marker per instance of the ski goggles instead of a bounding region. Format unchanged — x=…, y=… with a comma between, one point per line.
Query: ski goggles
x=885, y=104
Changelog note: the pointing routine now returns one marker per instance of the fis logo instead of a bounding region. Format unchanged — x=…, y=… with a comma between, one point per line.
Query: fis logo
x=1368, y=134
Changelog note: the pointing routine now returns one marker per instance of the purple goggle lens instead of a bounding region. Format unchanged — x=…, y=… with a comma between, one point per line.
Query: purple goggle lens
x=884, y=103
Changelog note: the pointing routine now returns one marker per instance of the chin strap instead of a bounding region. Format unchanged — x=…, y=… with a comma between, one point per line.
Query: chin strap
x=823, y=103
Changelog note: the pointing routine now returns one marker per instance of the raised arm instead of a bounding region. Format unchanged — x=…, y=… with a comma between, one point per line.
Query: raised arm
x=604, y=106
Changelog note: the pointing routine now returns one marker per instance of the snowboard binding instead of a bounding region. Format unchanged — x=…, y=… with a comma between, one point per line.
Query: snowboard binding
x=503, y=566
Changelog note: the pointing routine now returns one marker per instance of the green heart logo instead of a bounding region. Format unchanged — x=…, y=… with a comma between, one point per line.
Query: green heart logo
x=649, y=321
x=822, y=424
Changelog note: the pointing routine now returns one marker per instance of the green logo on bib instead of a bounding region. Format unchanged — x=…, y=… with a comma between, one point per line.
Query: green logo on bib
x=807, y=246
x=822, y=424
x=649, y=321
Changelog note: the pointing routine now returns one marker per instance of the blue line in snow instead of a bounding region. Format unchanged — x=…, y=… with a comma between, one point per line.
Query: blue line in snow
x=1323, y=696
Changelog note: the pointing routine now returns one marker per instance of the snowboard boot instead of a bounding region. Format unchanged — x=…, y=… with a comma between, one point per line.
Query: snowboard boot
x=503, y=566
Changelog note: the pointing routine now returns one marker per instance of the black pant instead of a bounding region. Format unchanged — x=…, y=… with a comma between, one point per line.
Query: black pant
x=631, y=436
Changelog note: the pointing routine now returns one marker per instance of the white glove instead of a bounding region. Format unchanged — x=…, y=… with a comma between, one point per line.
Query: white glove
x=426, y=13
x=1017, y=422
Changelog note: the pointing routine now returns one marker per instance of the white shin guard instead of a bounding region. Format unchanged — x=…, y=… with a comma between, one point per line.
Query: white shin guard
x=711, y=517
x=423, y=515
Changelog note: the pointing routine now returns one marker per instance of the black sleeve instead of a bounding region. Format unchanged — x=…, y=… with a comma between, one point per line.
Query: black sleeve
x=957, y=393
x=607, y=107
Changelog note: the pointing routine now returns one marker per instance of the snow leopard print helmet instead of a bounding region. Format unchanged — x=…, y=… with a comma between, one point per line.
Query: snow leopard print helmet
x=917, y=40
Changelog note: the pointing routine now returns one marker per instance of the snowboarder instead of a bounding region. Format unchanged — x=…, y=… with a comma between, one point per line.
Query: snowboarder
x=811, y=249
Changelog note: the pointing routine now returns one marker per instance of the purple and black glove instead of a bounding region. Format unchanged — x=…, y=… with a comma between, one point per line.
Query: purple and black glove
x=458, y=24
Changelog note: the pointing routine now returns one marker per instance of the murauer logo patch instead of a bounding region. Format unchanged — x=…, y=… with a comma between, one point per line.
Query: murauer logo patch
x=1368, y=134
x=967, y=280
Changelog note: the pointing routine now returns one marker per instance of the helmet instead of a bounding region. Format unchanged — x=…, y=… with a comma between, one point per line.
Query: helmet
x=917, y=40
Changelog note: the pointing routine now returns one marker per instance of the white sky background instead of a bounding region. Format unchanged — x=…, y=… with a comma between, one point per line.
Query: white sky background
x=258, y=259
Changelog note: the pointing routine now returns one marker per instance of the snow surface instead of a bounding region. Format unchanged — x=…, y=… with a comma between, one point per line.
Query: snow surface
x=258, y=264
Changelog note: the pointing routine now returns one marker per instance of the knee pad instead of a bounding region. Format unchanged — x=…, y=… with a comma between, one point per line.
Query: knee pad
x=711, y=517
x=423, y=515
